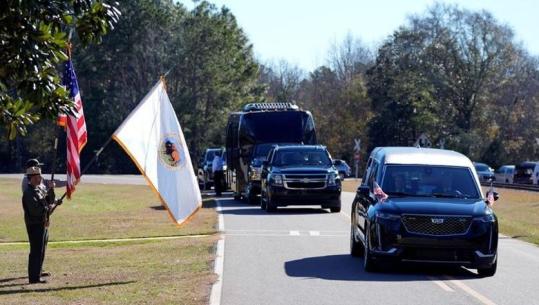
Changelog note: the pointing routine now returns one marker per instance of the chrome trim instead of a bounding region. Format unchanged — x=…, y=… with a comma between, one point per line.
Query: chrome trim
x=434, y=261
x=390, y=251
x=426, y=215
x=480, y=254
x=304, y=178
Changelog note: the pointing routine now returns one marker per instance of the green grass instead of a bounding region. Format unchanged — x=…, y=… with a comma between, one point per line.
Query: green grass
x=100, y=211
x=174, y=271
x=517, y=211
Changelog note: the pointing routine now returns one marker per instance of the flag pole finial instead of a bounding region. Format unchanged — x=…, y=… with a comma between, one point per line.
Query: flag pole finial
x=163, y=79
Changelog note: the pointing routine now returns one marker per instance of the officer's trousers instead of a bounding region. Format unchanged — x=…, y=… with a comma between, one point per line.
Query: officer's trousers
x=37, y=237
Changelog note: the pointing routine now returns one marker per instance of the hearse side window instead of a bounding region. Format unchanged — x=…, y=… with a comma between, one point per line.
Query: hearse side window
x=372, y=175
x=364, y=179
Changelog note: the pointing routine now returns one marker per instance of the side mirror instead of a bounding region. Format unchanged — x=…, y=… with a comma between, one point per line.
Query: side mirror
x=363, y=190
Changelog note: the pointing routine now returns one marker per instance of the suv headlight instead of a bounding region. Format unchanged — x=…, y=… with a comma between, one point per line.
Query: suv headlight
x=276, y=179
x=332, y=179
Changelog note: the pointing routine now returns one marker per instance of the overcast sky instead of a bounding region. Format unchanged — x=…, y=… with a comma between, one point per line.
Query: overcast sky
x=302, y=31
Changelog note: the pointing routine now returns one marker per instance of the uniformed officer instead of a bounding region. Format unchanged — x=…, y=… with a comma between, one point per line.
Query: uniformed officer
x=38, y=202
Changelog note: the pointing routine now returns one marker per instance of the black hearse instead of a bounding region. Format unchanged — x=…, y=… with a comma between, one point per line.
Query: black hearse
x=425, y=206
x=300, y=175
x=253, y=132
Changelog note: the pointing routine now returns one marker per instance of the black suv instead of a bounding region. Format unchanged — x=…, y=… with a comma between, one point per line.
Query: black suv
x=424, y=206
x=300, y=175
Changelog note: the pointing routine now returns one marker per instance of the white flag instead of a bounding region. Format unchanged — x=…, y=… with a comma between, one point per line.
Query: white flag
x=151, y=135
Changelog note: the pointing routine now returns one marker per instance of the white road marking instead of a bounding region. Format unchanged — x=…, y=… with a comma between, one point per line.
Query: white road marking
x=440, y=283
x=314, y=233
x=294, y=233
x=481, y=298
x=217, y=287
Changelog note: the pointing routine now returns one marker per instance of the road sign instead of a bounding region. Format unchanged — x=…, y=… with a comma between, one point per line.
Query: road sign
x=357, y=147
x=423, y=141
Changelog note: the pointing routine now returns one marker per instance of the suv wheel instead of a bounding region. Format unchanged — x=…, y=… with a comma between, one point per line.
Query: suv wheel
x=368, y=262
x=490, y=271
x=270, y=205
x=356, y=247
x=336, y=209
x=263, y=200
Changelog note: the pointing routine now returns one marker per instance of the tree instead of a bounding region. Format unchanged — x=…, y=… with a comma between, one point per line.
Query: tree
x=443, y=73
x=215, y=73
x=33, y=40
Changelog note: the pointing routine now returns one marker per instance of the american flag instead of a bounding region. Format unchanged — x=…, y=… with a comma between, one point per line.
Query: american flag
x=75, y=129
x=379, y=193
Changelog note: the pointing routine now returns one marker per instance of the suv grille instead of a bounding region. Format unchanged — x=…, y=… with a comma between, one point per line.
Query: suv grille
x=436, y=225
x=305, y=181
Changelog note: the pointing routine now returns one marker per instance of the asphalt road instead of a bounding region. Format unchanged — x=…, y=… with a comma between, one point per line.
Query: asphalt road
x=97, y=179
x=301, y=256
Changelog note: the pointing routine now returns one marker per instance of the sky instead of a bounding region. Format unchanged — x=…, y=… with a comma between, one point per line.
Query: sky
x=302, y=31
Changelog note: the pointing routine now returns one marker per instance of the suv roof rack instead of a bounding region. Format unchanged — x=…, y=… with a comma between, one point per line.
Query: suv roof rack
x=269, y=106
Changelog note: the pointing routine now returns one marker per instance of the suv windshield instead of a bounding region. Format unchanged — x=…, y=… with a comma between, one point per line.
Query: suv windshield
x=302, y=157
x=426, y=180
x=481, y=168
x=262, y=150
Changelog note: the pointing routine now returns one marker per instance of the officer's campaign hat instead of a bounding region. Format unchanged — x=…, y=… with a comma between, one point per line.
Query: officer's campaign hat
x=33, y=162
x=33, y=171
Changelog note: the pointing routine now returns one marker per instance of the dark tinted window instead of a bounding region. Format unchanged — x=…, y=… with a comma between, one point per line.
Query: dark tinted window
x=301, y=157
x=524, y=170
x=424, y=180
x=481, y=167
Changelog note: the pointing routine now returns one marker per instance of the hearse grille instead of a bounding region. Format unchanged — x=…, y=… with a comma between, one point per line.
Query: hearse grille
x=305, y=181
x=436, y=225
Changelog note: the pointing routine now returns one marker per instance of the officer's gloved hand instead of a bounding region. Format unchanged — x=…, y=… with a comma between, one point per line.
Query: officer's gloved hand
x=58, y=201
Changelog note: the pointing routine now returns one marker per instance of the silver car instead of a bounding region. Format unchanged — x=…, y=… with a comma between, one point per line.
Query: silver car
x=505, y=173
x=484, y=172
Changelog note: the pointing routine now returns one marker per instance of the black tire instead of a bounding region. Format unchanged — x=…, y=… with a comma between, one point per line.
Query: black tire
x=369, y=265
x=356, y=247
x=490, y=271
x=335, y=209
x=270, y=205
x=263, y=201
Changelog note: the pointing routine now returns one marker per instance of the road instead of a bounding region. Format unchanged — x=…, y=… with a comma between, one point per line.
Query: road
x=301, y=256
x=99, y=179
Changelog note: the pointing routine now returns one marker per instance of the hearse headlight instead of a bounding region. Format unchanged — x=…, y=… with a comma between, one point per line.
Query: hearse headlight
x=486, y=218
x=276, y=179
x=387, y=216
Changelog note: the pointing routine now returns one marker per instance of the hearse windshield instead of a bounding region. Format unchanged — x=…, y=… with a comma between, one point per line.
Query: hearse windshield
x=429, y=181
x=301, y=157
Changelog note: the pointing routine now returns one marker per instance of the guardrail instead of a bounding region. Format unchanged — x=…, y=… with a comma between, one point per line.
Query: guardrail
x=525, y=187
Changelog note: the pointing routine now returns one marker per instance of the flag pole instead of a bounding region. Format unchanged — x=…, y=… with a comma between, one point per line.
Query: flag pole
x=92, y=161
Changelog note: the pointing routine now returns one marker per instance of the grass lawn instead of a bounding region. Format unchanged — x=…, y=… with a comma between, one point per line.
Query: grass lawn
x=172, y=271
x=517, y=211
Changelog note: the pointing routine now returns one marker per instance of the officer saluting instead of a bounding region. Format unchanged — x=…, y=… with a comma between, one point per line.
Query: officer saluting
x=38, y=202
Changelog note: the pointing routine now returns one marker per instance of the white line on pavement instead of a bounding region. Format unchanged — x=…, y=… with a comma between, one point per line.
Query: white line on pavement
x=217, y=287
x=294, y=233
x=314, y=233
x=440, y=283
x=481, y=298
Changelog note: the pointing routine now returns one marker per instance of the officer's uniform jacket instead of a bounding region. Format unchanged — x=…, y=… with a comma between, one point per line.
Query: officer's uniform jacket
x=35, y=202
